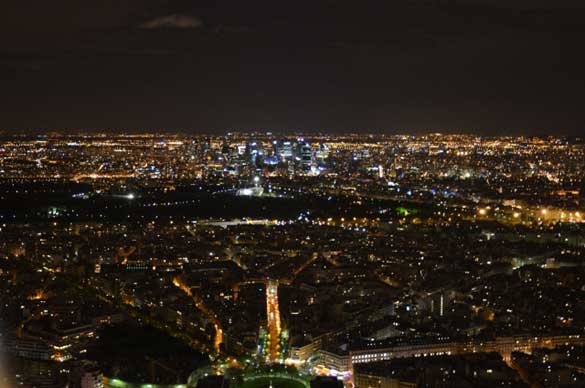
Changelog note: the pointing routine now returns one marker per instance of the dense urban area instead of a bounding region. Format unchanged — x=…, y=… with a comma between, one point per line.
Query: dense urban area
x=254, y=260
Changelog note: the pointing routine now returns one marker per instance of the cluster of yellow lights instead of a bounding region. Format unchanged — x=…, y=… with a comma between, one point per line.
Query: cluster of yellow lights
x=544, y=212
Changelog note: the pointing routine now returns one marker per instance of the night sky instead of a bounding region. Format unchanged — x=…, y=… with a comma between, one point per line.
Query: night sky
x=485, y=66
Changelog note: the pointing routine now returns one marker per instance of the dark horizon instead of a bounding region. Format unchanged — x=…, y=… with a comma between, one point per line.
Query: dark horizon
x=284, y=132
x=502, y=67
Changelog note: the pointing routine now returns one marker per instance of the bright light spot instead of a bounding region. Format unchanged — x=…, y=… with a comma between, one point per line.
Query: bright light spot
x=483, y=212
x=130, y=196
x=544, y=211
x=256, y=179
x=516, y=215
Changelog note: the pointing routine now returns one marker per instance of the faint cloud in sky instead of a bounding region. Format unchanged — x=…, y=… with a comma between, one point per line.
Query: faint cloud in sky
x=173, y=21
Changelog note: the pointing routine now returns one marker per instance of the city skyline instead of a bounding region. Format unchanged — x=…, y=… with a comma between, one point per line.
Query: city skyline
x=261, y=259
x=292, y=194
